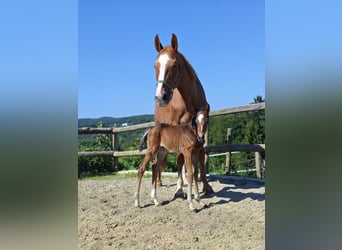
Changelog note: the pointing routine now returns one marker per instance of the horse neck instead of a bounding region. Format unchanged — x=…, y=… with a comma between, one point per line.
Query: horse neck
x=191, y=88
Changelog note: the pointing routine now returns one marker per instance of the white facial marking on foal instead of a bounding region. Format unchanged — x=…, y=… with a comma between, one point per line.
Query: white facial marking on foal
x=163, y=60
x=200, y=118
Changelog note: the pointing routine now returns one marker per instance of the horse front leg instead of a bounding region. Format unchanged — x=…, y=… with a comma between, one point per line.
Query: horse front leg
x=207, y=189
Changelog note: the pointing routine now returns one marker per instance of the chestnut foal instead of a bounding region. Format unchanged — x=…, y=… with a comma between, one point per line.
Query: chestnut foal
x=187, y=139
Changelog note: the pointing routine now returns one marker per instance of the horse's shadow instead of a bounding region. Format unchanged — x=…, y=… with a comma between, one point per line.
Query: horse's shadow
x=230, y=194
x=227, y=194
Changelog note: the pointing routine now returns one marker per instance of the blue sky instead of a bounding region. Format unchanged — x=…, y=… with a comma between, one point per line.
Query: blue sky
x=223, y=40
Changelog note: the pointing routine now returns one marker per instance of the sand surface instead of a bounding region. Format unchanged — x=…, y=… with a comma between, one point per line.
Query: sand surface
x=107, y=218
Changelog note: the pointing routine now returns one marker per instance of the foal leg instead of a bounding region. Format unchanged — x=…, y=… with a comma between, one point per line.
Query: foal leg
x=180, y=162
x=190, y=176
x=154, y=185
x=196, y=193
x=162, y=153
x=141, y=172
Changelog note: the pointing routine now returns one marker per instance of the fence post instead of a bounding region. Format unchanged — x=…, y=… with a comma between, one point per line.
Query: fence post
x=229, y=154
x=258, y=163
x=115, y=147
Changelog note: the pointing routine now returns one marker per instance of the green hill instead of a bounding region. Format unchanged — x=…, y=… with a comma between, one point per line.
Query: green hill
x=114, y=122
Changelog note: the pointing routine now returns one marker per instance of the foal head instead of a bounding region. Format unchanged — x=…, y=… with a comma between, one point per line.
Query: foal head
x=167, y=67
x=201, y=125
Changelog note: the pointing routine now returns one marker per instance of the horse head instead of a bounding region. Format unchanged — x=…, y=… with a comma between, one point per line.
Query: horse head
x=167, y=66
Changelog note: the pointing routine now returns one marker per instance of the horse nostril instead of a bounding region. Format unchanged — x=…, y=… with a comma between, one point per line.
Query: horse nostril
x=200, y=138
x=160, y=101
x=165, y=97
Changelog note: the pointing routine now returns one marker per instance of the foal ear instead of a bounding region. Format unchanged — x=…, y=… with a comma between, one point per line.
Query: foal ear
x=208, y=108
x=157, y=43
x=193, y=124
x=174, y=42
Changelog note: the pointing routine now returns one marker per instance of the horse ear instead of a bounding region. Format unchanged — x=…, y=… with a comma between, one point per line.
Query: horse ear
x=174, y=42
x=157, y=43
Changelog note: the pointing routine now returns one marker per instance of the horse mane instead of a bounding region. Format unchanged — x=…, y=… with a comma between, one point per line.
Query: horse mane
x=188, y=66
x=198, y=85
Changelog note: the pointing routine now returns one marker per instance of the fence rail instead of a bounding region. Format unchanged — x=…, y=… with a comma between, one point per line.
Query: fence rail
x=229, y=147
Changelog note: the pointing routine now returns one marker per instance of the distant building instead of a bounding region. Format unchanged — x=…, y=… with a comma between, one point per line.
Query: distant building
x=125, y=124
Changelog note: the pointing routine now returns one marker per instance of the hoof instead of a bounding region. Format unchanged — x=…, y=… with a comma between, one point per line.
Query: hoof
x=204, y=205
x=195, y=211
x=208, y=190
x=179, y=194
x=157, y=204
x=192, y=208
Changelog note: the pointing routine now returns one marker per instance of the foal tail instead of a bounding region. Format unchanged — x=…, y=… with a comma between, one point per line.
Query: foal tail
x=143, y=140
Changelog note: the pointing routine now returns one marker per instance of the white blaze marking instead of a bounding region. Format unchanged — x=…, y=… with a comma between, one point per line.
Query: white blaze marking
x=163, y=60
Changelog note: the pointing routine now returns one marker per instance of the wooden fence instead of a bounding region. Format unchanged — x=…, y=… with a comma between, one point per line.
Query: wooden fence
x=229, y=147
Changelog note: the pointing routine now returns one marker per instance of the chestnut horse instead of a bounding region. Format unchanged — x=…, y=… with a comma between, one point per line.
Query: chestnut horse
x=186, y=139
x=179, y=95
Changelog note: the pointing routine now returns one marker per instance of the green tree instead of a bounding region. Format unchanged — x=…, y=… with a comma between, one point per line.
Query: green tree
x=253, y=132
x=95, y=165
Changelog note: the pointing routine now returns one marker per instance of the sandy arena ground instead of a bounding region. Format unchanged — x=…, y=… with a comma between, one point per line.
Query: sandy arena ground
x=107, y=218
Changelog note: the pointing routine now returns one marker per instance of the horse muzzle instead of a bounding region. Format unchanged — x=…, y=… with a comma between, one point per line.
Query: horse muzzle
x=165, y=99
x=160, y=102
x=200, y=139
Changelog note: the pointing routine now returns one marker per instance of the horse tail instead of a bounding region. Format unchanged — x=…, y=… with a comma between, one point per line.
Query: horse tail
x=143, y=140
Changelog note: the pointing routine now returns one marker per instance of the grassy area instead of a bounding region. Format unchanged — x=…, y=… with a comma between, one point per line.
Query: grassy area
x=114, y=176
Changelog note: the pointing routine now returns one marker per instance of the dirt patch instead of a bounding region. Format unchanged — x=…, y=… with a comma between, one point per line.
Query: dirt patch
x=107, y=218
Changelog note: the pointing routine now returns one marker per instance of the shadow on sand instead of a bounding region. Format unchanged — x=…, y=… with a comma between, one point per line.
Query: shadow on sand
x=231, y=194
x=227, y=194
